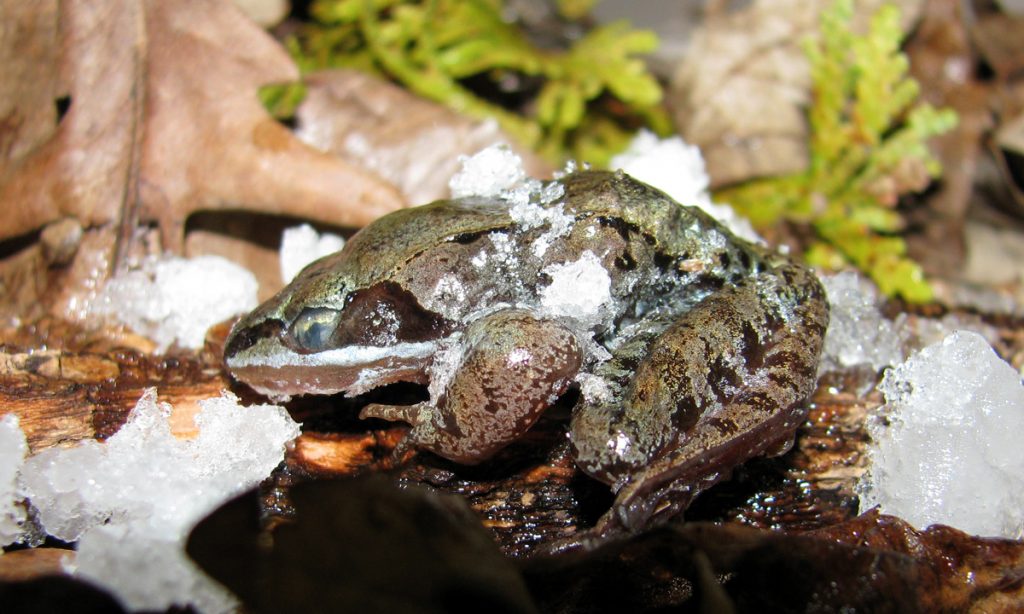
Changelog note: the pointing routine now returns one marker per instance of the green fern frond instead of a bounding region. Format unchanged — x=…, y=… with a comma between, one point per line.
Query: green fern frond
x=434, y=47
x=868, y=146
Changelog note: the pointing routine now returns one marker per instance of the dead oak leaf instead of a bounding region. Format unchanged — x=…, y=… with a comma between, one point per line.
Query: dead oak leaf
x=741, y=91
x=163, y=121
x=414, y=143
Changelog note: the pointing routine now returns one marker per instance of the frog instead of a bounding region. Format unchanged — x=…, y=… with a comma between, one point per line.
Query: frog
x=690, y=350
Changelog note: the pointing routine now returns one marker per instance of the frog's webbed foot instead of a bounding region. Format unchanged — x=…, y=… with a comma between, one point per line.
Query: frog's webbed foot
x=512, y=366
x=724, y=383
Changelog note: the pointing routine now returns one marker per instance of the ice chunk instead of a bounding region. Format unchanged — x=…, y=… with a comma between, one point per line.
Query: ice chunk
x=950, y=452
x=677, y=169
x=449, y=296
x=671, y=165
x=858, y=334
x=530, y=215
x=578, y=289
x=131, y=501
x=497, y=171
x=301, y=245
x=175, y=300
x=12, y=454
x=492, y=171
x=147, y=572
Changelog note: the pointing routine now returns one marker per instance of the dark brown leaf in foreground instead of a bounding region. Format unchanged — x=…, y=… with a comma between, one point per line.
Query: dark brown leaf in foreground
x=360, y=545
x=56, y=594
x=703, y=567
x=971, y=573
x=367, y=544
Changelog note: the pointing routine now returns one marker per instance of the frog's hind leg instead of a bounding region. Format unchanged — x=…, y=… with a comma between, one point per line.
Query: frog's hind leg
x=724, y=383
x=511, y=365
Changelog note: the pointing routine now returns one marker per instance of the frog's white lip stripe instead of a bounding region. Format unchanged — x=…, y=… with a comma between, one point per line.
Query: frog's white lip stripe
x=268, y=353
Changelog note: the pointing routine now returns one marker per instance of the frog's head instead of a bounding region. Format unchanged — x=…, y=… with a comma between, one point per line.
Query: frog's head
x=326, y=333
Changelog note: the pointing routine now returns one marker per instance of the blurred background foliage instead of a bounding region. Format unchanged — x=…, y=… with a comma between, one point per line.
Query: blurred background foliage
x=868, y=146
x=577, y=92
x=581, y=90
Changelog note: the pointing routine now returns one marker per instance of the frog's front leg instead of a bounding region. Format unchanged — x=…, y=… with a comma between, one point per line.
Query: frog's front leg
x=512, y=366
x=724, y=383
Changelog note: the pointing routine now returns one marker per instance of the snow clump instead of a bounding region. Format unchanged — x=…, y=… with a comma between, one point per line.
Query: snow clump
x=677, y=169
x=12, y=455
x=950, y=451
x=858, y=334
x=131, y=501
x=492, y=171
x=175, y=300
x=302, y=245
x=578, y=289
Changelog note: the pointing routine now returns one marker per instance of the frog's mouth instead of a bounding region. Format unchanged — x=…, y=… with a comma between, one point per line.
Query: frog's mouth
x=270, y=368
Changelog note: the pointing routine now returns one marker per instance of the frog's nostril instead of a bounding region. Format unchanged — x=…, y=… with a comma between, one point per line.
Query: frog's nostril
x=244, y=338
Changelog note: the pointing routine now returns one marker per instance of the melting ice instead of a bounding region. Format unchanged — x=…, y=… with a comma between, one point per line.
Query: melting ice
x=130, y=502
x=950, y=452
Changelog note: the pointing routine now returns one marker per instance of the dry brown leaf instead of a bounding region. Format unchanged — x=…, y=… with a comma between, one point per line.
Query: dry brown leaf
x=80, y=168
x=412, y=142
x=742, y=89
x=997, y=37
x=163, y=121
x=942, y=61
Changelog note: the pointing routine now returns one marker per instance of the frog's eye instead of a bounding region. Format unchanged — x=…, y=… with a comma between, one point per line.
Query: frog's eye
x=314, y=327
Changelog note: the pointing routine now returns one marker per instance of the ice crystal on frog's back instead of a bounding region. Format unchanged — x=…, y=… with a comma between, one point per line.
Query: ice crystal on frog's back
x=531, y=215
x=578, y=289
x=595, y=389
x=498, y=172
x=449, y=297
x=949, y=450
x=491, y=172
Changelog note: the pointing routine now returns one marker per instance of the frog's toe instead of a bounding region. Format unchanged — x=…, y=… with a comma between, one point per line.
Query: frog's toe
x=394, y=413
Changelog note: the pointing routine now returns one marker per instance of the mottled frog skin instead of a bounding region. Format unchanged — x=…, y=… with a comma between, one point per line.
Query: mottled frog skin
x=694, y=350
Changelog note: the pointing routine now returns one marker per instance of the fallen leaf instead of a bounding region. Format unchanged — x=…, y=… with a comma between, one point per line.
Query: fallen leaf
x=705, y=567
x=412, y=142
x=997, y=36
x=81, y=168
x=942, y=61
x=163, y=121
x=970, y=573
x=741, y=91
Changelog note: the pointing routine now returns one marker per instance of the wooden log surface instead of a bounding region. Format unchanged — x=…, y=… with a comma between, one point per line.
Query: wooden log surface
x=531, y=494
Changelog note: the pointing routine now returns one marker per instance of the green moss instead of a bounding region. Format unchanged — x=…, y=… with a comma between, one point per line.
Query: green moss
x=590, y=97
x=868, y=146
